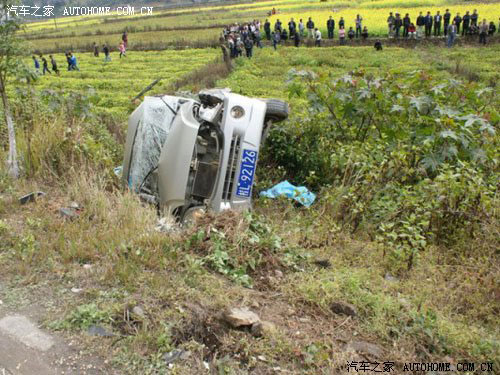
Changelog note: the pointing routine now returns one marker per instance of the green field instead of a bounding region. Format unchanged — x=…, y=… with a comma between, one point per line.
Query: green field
x=203, y=24
x=117, y=82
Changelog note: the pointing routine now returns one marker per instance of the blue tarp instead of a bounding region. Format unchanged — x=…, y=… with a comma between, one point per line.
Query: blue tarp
x=286, y=189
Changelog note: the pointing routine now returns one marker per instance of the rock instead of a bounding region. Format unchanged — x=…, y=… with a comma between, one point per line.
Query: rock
x=261, y=358
x=74, y=206
x=167, y=225
x=76, y=290
x=139, y=312
x=238, y=317
x=263, y=328
x=1, y=302
x=343, y=308
x=99, y=331
x=366, y=348
x=278, y=274
x=68, y=213
x=31, y=197
x=175, y=355
x=87, y=266
x=255, y=305
x=389, y=277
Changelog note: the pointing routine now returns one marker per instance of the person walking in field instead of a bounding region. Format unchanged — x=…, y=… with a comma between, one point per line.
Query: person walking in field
x=248, y=47
x=37, y=64
x=105, y=49
x=451, y=34
x=358, y=22
x=122, y=49
x=125, y=39
x=330, y=26
x=267, y=29
x=54, y=65
x=483, y=32
x=317, y=37
x=437, y=24
x=310, y=27
x=96, y=50
x=276, y=40
x=45, y=65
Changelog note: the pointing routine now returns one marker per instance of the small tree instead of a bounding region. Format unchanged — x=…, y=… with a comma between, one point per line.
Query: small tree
x=11, y=52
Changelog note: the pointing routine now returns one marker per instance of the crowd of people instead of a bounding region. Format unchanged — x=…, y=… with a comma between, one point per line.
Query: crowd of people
x=242, y=38
x=71, y=58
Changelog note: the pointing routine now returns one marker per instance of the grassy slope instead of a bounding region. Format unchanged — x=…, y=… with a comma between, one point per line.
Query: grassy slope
x=173, y=277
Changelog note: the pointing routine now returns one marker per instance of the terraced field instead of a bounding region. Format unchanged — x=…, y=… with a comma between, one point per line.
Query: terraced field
x=196, y=26
x=120, y=80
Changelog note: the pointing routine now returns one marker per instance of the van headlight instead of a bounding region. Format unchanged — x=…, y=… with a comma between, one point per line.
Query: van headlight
x=237, y=112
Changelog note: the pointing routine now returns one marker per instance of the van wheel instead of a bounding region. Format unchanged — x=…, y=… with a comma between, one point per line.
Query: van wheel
x=277, y=110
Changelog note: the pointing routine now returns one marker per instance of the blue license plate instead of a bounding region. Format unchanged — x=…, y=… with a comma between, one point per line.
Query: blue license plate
x=247, y=169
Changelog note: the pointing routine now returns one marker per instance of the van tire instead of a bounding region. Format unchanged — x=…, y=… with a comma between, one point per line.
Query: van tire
x=277, y=110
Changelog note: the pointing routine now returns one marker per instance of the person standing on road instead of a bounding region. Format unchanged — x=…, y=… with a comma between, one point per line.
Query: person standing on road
x=406, y=25
x=466, y=25
x=37, y=64
x=474, y=18
x=310, y=27
x=351, y=34
x=54, y=65
x=492, y=29
x=301, y=28
x=398, y=22
x=330, y=25
x=45, y=66
x=420, y=25
x=451, y=33
x=317, y=37
x=364, y=34
x=446, y=21
x=292, y=26
x=458, y=21
x=437, y=24
x=483, y=31
x=358, y=22
x=428, y=24
x=342, y=36
x=390, y=24
x=267, y=29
